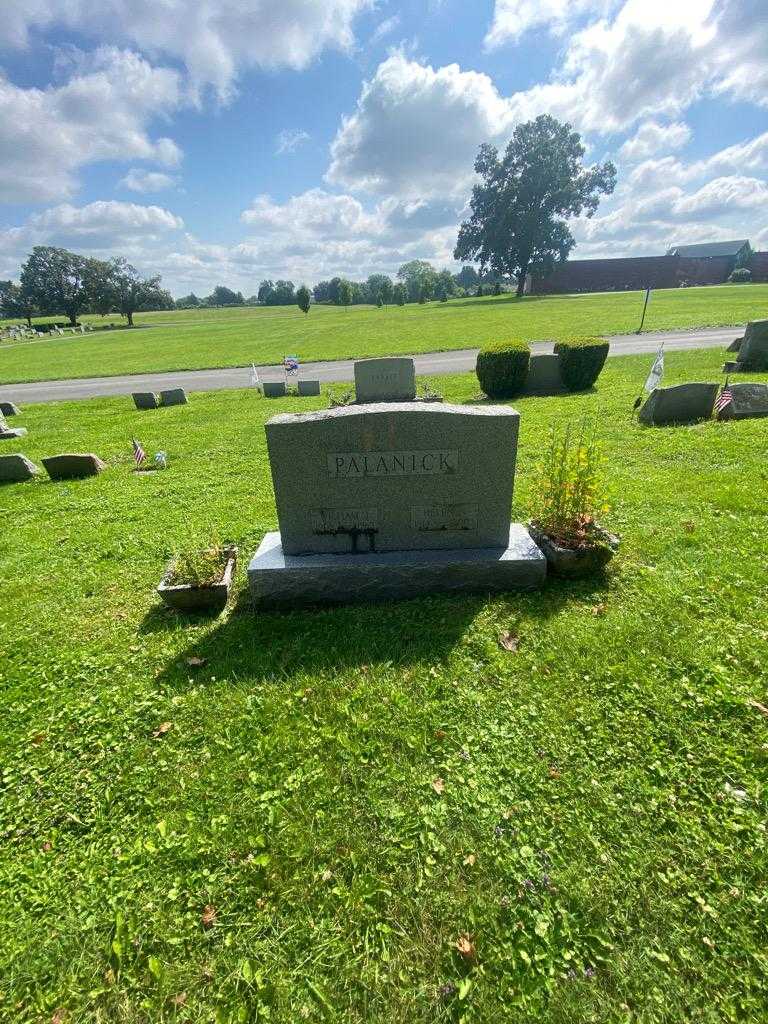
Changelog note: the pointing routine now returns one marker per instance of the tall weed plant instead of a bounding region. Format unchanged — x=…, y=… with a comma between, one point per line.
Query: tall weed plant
x=570, y=492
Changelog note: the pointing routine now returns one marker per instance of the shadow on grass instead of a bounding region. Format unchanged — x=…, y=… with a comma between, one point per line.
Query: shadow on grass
x=481, y=399
x=276, y=645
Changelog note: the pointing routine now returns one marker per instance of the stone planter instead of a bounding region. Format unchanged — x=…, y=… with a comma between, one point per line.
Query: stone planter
x=185, y=597
x=576, y=562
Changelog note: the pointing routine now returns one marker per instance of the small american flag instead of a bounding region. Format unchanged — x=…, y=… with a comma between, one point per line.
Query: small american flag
x=291, y=364
x=724, y=399
x=139, y=455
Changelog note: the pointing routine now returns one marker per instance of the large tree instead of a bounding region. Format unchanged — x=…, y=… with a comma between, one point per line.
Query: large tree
x=221, y=296
x=59, y=281
x=519, y=207
x=15, y=302
x=345, y=293
x=132, y=293
x=419, y=278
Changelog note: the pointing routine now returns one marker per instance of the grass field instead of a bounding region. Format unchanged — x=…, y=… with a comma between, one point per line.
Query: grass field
x=257, y=835
x=195, y=339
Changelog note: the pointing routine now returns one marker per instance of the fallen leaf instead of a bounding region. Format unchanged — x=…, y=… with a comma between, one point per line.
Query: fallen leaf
x=554, y=771
x=470, y=860
x=208, y=917
x=38, y=738
x=466, y=946
x=438, y=785
x=180, y=999
x=509, y=642
x=688, y=526
x=162, y=729
x=599, y=609
x=760, y=707
x=59, y=1016
x=708, y=942
x=195, y=662
x=440, y=734
x=47, y=847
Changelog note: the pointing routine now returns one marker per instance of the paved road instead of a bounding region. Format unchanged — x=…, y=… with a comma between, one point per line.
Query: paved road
x=428, y=364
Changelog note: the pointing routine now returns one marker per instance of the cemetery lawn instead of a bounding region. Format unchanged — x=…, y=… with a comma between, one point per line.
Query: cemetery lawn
x=378, y=814
x=208, y=338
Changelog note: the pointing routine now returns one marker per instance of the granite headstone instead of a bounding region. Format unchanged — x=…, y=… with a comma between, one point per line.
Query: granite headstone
x=682, y=403
x=544, y=376
x=173, y=396
x=273, y=388
x=144, y=399
x=73, y=466
x=752, y=350
x=16, y=468
x=308, y=387
x=748, y=401
x=391, y=500
x=385, y=380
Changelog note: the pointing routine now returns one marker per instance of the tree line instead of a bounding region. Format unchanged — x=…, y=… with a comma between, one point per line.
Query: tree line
x=518, y=225
x=59, y=282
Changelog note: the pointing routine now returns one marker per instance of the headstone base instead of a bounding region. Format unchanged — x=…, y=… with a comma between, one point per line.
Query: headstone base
x=278, y=580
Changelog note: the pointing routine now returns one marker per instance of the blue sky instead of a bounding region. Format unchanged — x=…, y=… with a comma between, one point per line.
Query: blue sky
x=224, y=141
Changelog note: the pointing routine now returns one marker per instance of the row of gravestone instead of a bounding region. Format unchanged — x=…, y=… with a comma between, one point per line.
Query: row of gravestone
x=149, y=400
x=17, y=468
x=688, y=403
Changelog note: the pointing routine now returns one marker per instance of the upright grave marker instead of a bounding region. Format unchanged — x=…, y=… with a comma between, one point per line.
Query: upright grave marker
x=385, y=380
x=393, y=499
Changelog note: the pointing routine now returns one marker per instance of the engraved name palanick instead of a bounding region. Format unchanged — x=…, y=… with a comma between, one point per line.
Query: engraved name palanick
x=344, y=465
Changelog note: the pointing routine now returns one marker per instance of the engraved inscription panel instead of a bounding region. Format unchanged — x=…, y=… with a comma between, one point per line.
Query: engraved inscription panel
x=453, y=517
x=349, y=465
x=331, y=519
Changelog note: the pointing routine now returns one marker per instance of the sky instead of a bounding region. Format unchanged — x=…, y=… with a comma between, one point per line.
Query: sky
x=228, y=141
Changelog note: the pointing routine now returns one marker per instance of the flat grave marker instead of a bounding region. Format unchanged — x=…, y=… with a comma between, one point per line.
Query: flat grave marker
x=385, y=380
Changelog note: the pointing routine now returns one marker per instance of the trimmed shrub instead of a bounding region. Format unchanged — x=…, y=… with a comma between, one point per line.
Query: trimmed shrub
x=581, y=360
x=741, y=276
x=502, y=368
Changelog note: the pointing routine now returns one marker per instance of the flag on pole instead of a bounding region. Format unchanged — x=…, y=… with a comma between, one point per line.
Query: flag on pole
x=724, y=399
x=254, y=379
x=291, y=364
x=139, y=455
x=657, y=372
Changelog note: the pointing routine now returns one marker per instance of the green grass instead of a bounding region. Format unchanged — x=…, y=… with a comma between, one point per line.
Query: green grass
x=587, y=837
x=197, y=339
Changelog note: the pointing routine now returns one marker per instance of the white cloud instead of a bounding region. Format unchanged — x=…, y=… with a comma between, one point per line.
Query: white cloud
x=289, y=140
x=138, y=180
x=513, y=18
x=722, y=196
x=416, y=130
x=652, y=137
x=214, y=39
x=385, y=28
x=46, y=135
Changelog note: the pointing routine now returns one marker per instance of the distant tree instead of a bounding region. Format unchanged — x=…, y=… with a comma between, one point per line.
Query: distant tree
x=379, y=286
x=303, y=299
x=479, y=292
x=265, y=290
x=379, y=300
x=322, y=291
x=15, y=302
x=57, y=281
x=190, y=301
x=446, y=283
x=283, y=294
x=519, y=207
x=467, y=278
x=442, y=293
x=497, y=288
x=221, y=296
x=333, y=291
x=131, y=293
x=400, y=294
x=345, y=293
x=419, y=277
